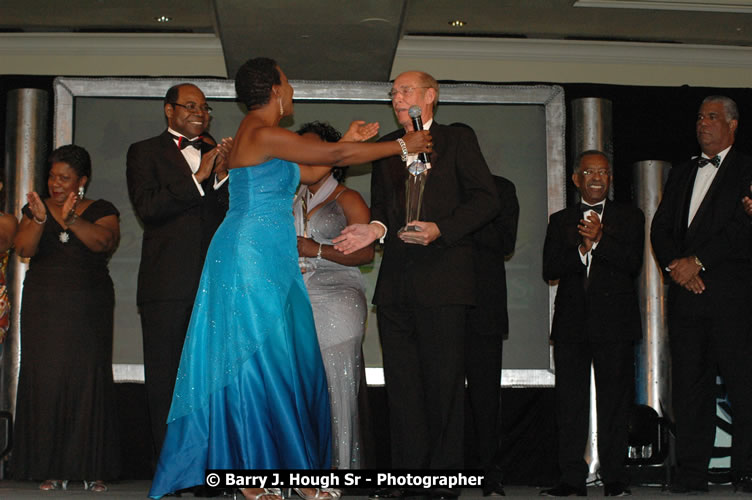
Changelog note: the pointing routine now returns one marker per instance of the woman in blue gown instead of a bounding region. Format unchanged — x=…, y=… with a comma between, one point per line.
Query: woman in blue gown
x=251, y=389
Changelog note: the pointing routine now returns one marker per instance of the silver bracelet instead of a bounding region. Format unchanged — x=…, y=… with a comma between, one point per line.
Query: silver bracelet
x=404, y=149
x=318, y=254
x=40, y=222
x=71, y=218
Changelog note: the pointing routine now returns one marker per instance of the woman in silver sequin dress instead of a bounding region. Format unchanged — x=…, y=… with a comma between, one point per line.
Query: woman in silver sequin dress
x=337, y=293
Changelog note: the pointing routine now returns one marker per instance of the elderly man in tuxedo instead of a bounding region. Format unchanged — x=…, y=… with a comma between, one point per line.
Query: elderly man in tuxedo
x=594, y=250
x=176, y=182
x=701, y=238
x=426, y=282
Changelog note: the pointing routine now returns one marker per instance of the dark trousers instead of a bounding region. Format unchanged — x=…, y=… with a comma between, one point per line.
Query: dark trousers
x=613, y=363
x=709, y=340
x=424, y=374
x=483, y=355
x=163, y=326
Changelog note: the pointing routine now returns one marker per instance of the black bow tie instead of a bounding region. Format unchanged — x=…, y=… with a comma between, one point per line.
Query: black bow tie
x=716, y=160
x=184, y=143
x=595, y=208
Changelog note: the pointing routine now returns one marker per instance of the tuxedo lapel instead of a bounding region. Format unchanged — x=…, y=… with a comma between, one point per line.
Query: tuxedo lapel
x=612, y=219
x=609, y=216
x=707, y=202
x=571, y=220
x=174, y=155
x=439, y=144
x=687, y=184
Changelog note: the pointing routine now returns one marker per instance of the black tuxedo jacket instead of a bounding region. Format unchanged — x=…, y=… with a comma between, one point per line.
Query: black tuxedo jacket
x=492, y=243
x=178, y=222
x=607, y=308
x=720, y=232
x=459, y=197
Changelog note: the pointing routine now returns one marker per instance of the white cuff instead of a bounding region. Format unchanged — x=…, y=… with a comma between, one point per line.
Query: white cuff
x=198, y=185
x=218, y=183
x=381, y=240
x=584, y=258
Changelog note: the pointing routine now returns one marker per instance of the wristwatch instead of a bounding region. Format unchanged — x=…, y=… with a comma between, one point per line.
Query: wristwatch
x=698, y=262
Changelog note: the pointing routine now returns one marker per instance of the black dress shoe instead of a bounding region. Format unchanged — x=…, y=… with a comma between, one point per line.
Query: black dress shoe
x=744, y=484
x=387, y=493
x=206, y=491
x=616, y=490
x=565, y=490
x=493, y=488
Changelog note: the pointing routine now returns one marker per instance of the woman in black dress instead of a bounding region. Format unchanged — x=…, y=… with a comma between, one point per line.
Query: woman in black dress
x=66, y=422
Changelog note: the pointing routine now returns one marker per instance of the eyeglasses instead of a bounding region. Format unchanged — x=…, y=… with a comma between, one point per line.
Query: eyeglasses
x=193, y=107
x=405, y=91
x=601, y=172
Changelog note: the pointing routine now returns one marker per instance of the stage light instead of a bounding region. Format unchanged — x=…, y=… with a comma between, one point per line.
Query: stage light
x=648, y=437
x=163, y=19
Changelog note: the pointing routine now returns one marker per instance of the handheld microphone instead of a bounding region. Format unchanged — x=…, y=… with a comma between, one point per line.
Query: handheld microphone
x=414, y=112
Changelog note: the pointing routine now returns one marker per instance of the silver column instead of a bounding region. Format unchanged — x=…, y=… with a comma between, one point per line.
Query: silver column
x=591, y=118
x=26, y=152
x=653, y=370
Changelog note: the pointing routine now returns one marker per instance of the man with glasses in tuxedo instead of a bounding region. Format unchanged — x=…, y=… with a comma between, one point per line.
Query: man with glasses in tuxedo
x=594, y=250
x=177, y=184
x=426, y=281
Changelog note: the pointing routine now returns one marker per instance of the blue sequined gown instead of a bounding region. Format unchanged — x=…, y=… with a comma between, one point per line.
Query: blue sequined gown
x=251, y=390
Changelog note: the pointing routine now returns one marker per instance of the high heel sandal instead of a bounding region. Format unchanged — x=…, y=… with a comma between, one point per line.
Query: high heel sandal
x=54, y=484
x=319, y=493
x=95, y=486
x=264, y=493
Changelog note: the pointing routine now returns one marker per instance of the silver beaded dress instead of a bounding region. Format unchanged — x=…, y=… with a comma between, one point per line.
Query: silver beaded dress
x=338, y=298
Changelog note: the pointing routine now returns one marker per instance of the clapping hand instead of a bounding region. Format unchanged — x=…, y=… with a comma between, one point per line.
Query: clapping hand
x=360, y=131
x=36, y=205
x=224, y=148
x=591, y=230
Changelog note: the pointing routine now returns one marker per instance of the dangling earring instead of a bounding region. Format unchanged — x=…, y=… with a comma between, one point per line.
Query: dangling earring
x=81, y=192
x=281, y=109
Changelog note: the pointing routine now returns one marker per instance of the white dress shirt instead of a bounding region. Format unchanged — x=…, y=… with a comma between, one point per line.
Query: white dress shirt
x=704, y=179
x=193, y=158
x=586, y=258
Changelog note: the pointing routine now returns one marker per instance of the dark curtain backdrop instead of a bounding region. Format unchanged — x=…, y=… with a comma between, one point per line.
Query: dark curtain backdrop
x=657, y=123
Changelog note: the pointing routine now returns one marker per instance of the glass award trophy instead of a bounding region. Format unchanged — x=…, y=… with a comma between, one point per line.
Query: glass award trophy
x=417, y=174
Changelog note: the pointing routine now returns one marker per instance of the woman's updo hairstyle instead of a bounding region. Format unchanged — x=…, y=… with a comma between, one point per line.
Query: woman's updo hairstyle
x=326, y=133
x=254, y=80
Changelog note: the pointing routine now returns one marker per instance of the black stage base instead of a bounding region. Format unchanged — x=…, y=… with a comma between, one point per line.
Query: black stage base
x=528, y=437
x=527, y=452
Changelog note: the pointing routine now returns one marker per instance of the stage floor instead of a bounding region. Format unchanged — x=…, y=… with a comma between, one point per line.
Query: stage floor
x=11, y=490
